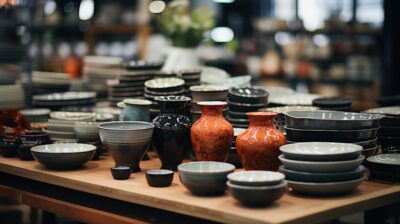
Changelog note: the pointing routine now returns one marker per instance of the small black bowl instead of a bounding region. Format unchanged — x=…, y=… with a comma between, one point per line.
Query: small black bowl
x=121, y=172
x=24, y=150
x=249, y=95
x=159, y=178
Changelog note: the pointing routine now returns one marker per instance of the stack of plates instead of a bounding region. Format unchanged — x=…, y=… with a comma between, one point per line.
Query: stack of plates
x=322, y=168
x=334, y=126
x=162, y=87
x=98, y=69
x=9, y=74
x=191, y=78
x=206, y=93
x=11, y=96
x=385, y=167
x=242, y=100
x=333, y=103
x=389, y=134
x=37, y=115
x=296, y=99
x=49, y=82
x=66, y=99
x=61, y=124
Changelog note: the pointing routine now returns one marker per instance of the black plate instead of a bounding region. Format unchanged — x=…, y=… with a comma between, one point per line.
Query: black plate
x=242, y=107
x=332, y=102
x=330, y=135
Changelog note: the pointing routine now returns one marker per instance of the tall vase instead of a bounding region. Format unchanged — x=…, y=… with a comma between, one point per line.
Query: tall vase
x=171, y=138
x=212, y=135
x=258, y=146
x=179, y=58
x=136, y=110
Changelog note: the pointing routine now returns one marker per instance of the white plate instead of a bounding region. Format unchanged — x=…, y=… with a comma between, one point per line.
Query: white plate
x=35, y=112
x=395, y=110
x=387, y=159
x=256, y=178
x=298, y=99
x=164, y=83
x=72, y=116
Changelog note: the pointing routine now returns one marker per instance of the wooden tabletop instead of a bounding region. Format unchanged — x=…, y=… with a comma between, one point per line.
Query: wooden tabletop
x=95, y=178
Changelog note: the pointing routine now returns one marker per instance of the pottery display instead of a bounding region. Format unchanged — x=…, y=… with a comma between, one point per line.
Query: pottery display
x=171, y=137
x=136, y=110
x=211, y=135
x=258, y=146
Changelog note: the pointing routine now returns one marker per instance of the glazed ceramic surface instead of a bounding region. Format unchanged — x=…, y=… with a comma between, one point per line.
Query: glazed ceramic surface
x=386, y=159
x=136, y=110
x=121, y=172
x=63, y=156
x=258, y=146
x=256, y=178
x=330, y=135
x=86, y=131
x=211, y=135
x=255, y=196
x=322, y=177
x=321, y=151
x=159, y=178
x=171, y=138
x=322, y=166
x=205, y=178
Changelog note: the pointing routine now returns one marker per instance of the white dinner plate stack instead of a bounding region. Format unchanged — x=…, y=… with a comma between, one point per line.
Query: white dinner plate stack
x=322, y=168
x=11, y=96
x=9, y=74
x=50, y=82
x=98, y=69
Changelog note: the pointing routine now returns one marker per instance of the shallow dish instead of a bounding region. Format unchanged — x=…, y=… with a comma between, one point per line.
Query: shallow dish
x=72, y=116
x=60, y=134
x=332, y=102
x=63, y=156
x=321, y=151
x=331, y=120
x=305, y=135
x=257, y=195
x=66, y=96
x=322, y=166
x=330, y=188
x=256, y=178
x=322, y=177
x=385, y=159
x=159, y=177
x=251, y=95
x=205, y=178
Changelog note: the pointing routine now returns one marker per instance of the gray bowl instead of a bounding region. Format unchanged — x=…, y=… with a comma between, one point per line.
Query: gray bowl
x=255, y=196
x=205, y=178
x=322, y=177
x=331, y=120
x=63, y=156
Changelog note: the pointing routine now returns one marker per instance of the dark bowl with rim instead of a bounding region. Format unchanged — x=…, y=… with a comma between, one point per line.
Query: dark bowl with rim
x=248, y=95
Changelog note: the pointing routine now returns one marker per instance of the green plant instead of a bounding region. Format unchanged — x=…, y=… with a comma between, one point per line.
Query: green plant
x=182, y=27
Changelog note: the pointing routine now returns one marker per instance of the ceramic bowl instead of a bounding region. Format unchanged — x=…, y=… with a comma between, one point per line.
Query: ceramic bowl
x=121, y=172
x=331, y=120
x=328, y=188
x=24, y=150
x=321, y=151
x=256, y=178
x=63, y=156
x=367, y=152
x=60, y=134
x=72, y=116
x=86, y=131
x=385, y=159
x=250, y=95
x=164, y=84
x=36, y=115
x=322, y=177
x=332, y=102
x=302, y=135
x=205, y=178
x=159, y=177
x=322, y=166
x=208, y=93
x=40, y=137
x=257, y=195
x=245, y=107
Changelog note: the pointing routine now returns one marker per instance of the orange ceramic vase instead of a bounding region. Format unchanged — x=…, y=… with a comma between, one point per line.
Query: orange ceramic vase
x=258, y=146
x=211, y=135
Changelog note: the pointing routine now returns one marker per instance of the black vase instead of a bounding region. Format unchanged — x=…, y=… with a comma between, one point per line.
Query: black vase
x=171, y=137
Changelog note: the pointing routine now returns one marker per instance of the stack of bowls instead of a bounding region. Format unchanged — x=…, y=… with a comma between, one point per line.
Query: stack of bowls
x=36, y=115
x=389, y=133
x=206, y=93
x=333, y=103
x=9, y=74
x=256, y=188
x=242, y=100
x=126, y=141
x=11, y=96
x=98, y=69
x=61, y=125
x=57, y=101
x=49, y=82
x=191, y=78
x=334, y=126
x=162, y=87
x=322, y=168
x=205, y=178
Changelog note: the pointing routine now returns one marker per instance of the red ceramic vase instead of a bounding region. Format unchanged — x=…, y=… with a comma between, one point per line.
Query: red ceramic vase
x=211, y=135
x=258, y=146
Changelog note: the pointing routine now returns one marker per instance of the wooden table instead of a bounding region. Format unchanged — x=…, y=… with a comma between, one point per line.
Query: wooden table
x=95, y=179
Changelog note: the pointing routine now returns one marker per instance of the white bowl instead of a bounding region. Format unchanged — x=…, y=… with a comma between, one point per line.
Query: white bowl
x=256, y=178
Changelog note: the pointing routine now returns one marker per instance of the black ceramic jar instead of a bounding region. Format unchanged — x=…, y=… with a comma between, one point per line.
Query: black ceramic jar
x=171, y=137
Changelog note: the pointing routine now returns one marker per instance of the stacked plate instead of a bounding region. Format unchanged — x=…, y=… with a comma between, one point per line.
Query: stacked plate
x=256, y=188
x=49, y=82
x=140, y=65
x=322, y=168
x=65, y=99
x=11, y=96
x=389, y=134
x=9, y=74
x=242, y=100
x=191, y=78
x=61, y=125
x=36, y=115
x=333, y=103
x=206, y=93
x=162, y=87
x=98, y=69
x=385, y=167
x=334, y=126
